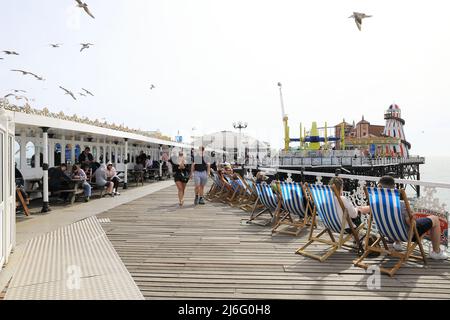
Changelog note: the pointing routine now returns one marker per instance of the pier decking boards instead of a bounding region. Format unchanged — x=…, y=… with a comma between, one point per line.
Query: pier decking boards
x=206, y=253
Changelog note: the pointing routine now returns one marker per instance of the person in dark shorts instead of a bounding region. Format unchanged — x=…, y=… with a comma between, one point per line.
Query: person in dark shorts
x=180, y=172
x=423, y=225
x=200, y=170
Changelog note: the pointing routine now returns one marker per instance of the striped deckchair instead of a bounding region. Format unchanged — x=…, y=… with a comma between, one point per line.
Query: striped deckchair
x=216, y=187
x=236, y=189
x=386, y=212
x=268, y=199
x=295, y=208
x=246, y=198
x=326, y=201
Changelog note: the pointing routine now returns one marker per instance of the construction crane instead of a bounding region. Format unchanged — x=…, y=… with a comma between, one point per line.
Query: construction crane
x=285, y=121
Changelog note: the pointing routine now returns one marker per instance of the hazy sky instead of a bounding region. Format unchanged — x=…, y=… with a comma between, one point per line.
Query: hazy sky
x=214, y=62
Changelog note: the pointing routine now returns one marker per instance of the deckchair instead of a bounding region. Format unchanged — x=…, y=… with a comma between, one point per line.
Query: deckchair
x=216, y=187
x=268, y=199
x=250, y=198
x=386, y=212
x=294, y=201
x=326, y=201
x=235, y=191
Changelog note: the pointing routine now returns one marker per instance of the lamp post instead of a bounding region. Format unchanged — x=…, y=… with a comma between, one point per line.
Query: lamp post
x=240, y=125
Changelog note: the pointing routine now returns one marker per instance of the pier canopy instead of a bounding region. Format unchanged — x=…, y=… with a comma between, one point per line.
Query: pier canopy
x=69, y=135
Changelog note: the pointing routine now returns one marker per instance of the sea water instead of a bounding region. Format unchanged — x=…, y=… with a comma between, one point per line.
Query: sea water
x=437, y=169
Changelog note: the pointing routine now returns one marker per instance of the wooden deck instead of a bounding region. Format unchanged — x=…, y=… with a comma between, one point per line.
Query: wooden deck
x=205, y=253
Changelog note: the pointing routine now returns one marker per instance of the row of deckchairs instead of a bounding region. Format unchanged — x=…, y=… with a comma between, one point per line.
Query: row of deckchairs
x=294, y=206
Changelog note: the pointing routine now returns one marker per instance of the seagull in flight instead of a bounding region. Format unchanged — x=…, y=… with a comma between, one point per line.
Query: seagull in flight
x=27, y=73
x=85, y=7
x=81, y=94
x=152, y=87
x=17, y=91
x=68, y=92
x=55, y=45
x=87, y=91
x=10, y=52
x=85, y=46
x=358, y=18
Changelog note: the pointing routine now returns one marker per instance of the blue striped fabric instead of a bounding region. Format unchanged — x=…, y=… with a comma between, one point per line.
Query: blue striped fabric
x=266, y=195
x=234, y=183
x=292, y=193
x=250, y=185
x=326, y=206
x=387, y=213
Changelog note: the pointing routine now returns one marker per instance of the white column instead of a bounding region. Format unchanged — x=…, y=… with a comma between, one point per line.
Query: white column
x=23, y=150
x=45, y=207
x=73, y=157
x=63, y=149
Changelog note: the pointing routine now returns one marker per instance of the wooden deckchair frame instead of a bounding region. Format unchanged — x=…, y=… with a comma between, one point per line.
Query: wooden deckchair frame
x=334, y=244
x=255, y=214
x=402, y=256
x=22, y=202
x=284, y=217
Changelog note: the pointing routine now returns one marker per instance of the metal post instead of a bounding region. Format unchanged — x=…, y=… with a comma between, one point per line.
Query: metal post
x=45, y=206
x=125, y=161
x=160, y=162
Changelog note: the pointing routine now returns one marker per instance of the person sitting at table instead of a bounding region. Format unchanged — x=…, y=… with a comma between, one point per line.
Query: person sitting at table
x=111, y=175
x=423, y=225
x=148, y=162
x=86, y=156
x=101, y=180
x=79, y=174
x=58, y=179
x=138, y=166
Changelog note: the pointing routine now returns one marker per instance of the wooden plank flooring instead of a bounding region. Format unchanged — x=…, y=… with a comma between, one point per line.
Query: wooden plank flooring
x=205, y=253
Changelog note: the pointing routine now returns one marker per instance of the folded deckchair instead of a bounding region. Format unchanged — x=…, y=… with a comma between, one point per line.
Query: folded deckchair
x=326, y=201
x=295, y=208
x=386, y=213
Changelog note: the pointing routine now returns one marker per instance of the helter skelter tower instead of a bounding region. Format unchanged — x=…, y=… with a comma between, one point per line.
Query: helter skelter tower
x=394, y=128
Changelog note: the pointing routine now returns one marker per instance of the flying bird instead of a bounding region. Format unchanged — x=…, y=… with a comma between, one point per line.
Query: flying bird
x=85, y=7
x=55, y=45
x=85, y=46
x=17, y=91
x=87, y=91
x=152, y=87
x=27, y=73
x=358, y=18
x=10, y=52
x=81, y=94
x=68, y=92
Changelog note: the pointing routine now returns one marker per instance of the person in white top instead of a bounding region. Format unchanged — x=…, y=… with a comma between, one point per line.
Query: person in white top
x=353, y=212
x=111, y=175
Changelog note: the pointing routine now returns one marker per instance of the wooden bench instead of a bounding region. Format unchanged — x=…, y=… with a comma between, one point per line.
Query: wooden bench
x=74, y=192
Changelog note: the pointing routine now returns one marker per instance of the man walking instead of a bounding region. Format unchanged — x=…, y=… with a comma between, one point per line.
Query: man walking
x=200, y=170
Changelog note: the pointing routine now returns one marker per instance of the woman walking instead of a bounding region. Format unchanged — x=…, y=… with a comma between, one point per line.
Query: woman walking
x=181, y=175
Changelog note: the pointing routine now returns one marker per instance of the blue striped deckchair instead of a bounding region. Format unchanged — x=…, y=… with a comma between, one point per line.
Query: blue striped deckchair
x=236, y=188
x=294, y=201
x=246, y=197
x=215, y=187
x=268, y=199
x=326, y=201
x=252, y=203
x=386, y=213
